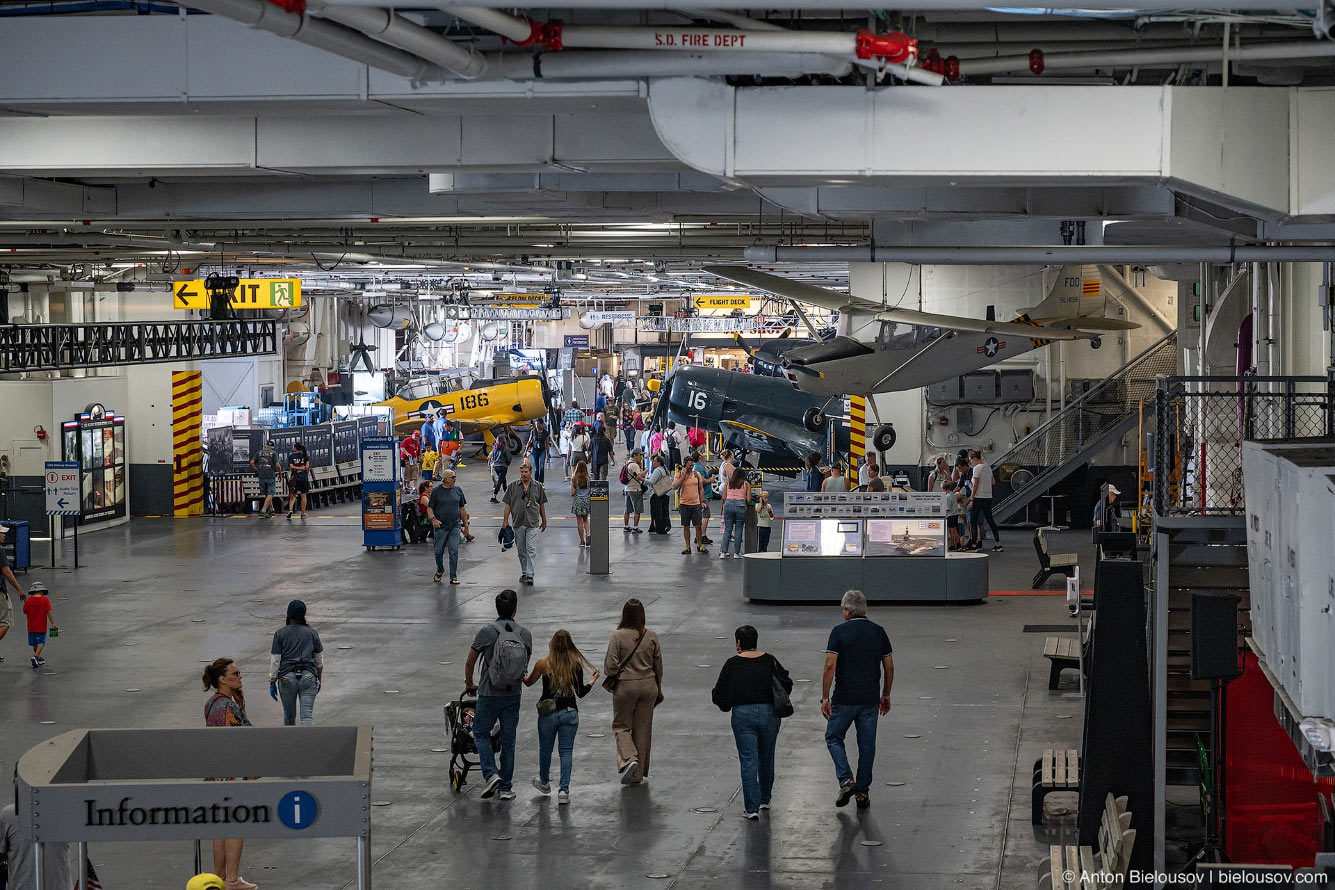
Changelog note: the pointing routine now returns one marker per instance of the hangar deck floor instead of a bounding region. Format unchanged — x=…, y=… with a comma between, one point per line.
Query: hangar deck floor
x=158, y=597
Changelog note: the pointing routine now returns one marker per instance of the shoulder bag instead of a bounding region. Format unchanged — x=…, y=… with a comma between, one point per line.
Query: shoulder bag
x=610, y=683
x=783, y=705
x=663, y=486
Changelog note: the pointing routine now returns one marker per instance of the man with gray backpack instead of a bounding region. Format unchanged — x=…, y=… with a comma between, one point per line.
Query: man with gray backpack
x=505, y=647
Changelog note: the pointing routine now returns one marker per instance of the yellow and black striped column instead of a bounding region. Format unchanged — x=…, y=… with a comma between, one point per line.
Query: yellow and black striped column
x=187, y=451
x=857, y=432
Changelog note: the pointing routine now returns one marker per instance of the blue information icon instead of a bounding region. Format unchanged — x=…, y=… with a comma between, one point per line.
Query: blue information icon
x=298, y=810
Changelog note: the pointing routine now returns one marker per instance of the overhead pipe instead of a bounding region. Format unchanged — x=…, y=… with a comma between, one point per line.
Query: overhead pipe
x=327, y=36
x=949, y=255
x=574, y=64
x=805, y=5
x=1141, y=58
x=387, y=26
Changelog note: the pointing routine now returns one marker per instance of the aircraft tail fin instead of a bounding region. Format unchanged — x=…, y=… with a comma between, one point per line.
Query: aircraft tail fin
x=1077, y=291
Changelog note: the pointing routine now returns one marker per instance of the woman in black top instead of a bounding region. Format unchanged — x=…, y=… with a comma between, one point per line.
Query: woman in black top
x=746, y=687
x=299, y=468
x=562, y=675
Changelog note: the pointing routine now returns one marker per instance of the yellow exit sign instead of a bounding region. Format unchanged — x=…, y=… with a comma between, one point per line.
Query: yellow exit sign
x=250, y=293
x=722, y=301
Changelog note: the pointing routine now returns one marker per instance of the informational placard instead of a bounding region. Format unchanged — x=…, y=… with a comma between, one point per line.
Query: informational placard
x=598, y=490
x=565, y=359
x=379, y=509
x=822, y=537
x=379, y=460
x=251, y=293
x=577, y=341
x=906, y=537
x=62, y=488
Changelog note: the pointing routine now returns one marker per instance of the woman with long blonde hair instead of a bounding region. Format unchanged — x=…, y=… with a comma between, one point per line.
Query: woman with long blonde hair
x=562, y=675
x=579, y=500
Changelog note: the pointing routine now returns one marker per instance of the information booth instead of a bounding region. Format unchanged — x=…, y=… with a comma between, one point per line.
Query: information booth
x=890, y=545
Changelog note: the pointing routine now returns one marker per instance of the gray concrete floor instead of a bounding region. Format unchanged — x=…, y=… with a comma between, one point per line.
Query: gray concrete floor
x=159, y=597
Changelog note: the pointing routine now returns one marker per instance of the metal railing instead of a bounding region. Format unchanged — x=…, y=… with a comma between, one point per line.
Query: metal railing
x=1060, y=444
x=1201, y=423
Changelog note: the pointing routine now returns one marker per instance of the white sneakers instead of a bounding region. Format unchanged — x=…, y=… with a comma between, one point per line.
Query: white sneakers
x=562, y=798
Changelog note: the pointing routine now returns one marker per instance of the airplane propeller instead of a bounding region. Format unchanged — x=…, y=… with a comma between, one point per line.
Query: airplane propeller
x=361, y=356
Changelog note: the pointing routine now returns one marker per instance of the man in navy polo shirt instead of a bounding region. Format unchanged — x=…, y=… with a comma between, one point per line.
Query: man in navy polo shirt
x=858, y=651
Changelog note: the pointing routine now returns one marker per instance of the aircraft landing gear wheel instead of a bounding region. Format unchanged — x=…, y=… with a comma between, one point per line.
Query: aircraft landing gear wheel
x=1096, y=343
x=883, y=439
x=814, y=420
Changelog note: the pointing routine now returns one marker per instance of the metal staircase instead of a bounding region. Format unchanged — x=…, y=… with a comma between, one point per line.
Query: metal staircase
x=1086, y=426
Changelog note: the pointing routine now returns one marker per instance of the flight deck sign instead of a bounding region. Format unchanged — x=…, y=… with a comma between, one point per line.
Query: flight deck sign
x=251, y=293
x=722, y=301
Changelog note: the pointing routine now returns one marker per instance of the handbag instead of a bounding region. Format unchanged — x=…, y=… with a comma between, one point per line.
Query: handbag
x=663, y=486
x=546, y=707
x=783, y=705
x=610, y=682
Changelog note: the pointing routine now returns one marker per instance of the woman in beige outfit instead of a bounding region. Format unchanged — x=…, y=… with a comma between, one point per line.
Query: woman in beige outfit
x=635, y=659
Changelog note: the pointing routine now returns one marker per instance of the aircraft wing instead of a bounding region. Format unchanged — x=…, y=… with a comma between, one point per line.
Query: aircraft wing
x=793, y=290
x=1090, y=323
x=978, y=325
x=761, y=433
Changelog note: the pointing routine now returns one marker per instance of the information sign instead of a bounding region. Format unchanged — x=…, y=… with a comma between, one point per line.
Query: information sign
x=378, y=463
x=62, y=488
x=722, y=301
x=598, y=490
x=579, y=341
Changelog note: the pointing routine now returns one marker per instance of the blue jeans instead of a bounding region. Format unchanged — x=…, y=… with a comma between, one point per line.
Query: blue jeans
x=491, y=708
x=562, y=725
x=526, y=543
x=756, y=731
x=293, y=687
x=539, y=464
x=734, y=525
x=841, y=718
x=442, y=539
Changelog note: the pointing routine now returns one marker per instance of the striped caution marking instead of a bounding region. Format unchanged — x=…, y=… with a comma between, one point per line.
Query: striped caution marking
x=187, y=451
x=857, y=431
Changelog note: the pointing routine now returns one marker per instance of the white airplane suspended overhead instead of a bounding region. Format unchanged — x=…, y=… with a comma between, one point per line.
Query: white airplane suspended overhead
x=913, y=349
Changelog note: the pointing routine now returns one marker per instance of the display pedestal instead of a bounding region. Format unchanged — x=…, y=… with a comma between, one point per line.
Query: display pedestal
x=954, y=578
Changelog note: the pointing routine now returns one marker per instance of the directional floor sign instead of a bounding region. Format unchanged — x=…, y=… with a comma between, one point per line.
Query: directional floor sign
x=62, y=488
x=251, y=293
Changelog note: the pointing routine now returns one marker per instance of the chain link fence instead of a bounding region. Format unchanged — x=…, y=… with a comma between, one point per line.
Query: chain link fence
x=1201, y=423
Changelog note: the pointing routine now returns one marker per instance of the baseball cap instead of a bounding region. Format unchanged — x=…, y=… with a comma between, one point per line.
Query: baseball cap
x=447, y=473
x=205, y=882
x=1112, y=489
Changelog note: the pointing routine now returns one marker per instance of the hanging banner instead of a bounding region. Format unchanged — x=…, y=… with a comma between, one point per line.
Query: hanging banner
x=722, y=301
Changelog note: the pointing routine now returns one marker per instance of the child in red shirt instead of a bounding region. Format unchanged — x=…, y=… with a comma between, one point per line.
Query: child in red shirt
x=38, y=609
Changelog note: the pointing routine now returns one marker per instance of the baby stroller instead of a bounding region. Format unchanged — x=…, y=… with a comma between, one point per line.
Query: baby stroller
x=459, y=728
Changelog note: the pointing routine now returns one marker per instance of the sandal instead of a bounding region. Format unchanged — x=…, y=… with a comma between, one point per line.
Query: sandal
x=439, y=575
x=454, y=580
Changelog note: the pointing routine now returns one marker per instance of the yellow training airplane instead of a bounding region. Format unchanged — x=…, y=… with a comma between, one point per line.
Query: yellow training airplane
x=472, y=404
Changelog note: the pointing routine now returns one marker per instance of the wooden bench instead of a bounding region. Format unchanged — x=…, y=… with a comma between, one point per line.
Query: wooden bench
x=1051, y=563
x=1089, y=868
x=1063, y=653
x=1057, y=770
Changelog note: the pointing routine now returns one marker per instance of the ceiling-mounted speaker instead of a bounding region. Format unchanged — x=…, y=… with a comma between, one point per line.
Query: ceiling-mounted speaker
x=384, y=315
x=434, y=331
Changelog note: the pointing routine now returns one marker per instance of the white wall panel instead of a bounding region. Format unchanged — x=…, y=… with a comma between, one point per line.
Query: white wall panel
x=127, y=143
x=65, y=59
x=329, y=144
x=1313, y=134
x=1233, y=141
